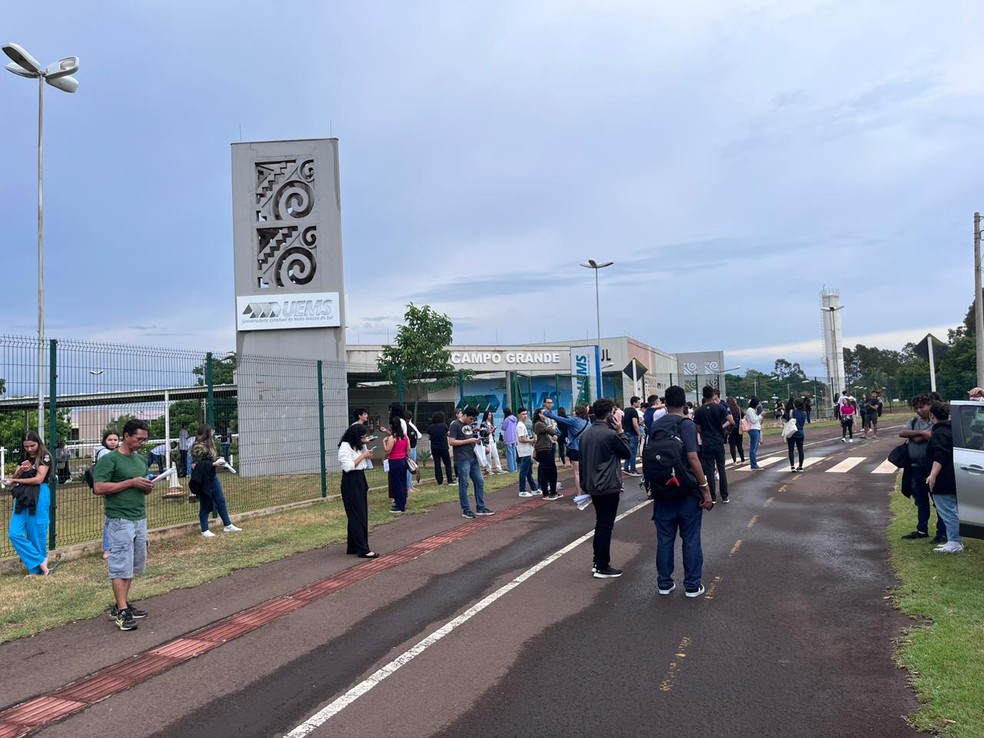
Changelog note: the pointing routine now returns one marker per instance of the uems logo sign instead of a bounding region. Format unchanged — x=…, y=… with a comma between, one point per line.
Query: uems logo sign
x=261, y=313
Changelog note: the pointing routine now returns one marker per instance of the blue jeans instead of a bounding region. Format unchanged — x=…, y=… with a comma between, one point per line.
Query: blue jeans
x=630, y=463
x=526, y=474
x=756, y=439
x=470, y=468
x=670, y=517
x=511, y=464
x=217, y=502
x=946, y=508
x=412, y=453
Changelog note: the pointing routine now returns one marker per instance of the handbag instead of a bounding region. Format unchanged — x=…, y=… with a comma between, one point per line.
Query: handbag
x=744, y=426
x=411, y=465
x=899, y=456
x=789, y=430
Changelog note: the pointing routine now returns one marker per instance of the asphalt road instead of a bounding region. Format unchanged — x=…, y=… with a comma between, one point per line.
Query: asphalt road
x=794, y=637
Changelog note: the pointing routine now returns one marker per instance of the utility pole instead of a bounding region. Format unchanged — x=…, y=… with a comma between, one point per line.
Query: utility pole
x=978, y=306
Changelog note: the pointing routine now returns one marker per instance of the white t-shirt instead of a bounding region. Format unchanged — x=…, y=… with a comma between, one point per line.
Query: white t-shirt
x=523, y=449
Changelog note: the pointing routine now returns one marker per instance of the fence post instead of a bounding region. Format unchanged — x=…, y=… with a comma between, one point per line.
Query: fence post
x=52, y=439
x=461, y=389
x=210, y=400
x=321, y=430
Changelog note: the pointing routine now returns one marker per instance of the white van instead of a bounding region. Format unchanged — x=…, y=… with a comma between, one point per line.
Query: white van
x=967, y=418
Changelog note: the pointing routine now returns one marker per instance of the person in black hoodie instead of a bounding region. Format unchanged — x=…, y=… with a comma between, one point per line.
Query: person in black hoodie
x=942, y=480
x=603, y=449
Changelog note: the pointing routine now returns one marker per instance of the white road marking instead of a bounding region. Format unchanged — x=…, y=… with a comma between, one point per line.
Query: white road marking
x=772, y=460
x=811, y=460
x=886, y=467
x=846, y=465
x=336, y=706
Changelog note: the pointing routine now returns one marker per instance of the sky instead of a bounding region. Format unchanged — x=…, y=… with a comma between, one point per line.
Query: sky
x=732, y=157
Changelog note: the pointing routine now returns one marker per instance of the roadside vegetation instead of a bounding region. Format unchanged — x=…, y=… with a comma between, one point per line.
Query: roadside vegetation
x=942, y=649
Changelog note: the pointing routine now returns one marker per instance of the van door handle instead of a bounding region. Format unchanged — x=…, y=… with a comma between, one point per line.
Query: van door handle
x=973, y=469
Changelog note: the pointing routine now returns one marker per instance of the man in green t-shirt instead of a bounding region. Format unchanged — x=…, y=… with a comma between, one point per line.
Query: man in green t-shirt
x=121, y=477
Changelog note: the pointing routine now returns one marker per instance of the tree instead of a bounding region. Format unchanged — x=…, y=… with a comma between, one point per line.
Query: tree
x=223, y=370
x=419, y=357
x=14, y=423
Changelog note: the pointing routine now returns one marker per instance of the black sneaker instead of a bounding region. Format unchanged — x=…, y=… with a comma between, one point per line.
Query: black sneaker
x=914, y=535
x=939, y=540
x=136, y=612
x=725, y=499
x=485, y=511
x=694, y=592
x=468, y=514
x=606, y=572
x=125, y=621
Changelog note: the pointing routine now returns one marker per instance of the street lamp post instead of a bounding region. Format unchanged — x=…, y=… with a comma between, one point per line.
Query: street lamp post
x=597, y=266
x=59, y=76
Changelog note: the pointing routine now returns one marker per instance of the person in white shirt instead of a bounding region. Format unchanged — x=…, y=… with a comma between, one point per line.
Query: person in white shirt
x=524, y=452
x=753, y=416
x=353, y=456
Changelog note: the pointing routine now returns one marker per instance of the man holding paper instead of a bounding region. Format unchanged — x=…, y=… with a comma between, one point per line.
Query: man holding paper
x=120, y=477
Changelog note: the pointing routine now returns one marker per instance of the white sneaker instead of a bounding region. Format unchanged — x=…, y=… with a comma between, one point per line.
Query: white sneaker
x=949, y=547
x=208, y=534
x=559, y=485
x=850, y=440
x=526, y=494
x=231, y=528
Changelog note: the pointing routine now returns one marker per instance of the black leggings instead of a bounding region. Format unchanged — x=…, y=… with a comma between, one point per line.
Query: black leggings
x=440, y=456
x=737, y=443
x=847, y=426
x=546, y=475
x=796, y=443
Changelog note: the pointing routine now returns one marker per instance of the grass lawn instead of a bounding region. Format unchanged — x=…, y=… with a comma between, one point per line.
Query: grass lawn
x=944, y=650
x=80, y=590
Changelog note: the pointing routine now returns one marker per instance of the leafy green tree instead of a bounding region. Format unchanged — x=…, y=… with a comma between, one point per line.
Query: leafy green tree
x=419, y=357
x=223, y=370
x=14, y=423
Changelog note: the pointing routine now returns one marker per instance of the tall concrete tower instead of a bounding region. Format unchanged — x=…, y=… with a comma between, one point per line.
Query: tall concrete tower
x=833, y=340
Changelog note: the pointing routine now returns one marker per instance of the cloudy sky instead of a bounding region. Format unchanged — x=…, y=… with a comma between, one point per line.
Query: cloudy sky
x=733, y=158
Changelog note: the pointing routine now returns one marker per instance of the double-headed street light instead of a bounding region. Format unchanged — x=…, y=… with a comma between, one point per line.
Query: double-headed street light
x=597, y=266
x=59, y=76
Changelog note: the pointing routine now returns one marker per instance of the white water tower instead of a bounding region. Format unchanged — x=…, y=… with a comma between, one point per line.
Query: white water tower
x=833, y=340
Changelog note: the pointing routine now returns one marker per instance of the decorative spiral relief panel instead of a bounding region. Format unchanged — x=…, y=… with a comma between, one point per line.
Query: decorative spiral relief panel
x=286, y=245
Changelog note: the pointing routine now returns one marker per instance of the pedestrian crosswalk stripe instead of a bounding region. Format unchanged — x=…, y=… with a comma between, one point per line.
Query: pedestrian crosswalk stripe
x=846, y=465
x=771, y=460
x=886, y=467
x=811, y=460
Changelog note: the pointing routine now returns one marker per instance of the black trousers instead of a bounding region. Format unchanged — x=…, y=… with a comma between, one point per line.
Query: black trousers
x=546, y=475
x=355, y=498
x=736, y=441
x=439, y=457
x=606, y=508
x=183, y=464
x=711, y=456
x=796, y=443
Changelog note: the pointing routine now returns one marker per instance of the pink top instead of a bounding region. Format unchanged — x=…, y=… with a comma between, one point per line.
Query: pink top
x=400, y=448
x=847, y=410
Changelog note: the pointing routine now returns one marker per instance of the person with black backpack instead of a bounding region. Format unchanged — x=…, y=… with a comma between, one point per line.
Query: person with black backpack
x=673, y=471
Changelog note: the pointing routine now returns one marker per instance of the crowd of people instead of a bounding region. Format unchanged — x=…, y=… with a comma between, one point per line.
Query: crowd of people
x=681, y=447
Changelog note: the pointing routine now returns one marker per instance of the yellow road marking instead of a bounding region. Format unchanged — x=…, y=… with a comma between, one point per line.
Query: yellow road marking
x=753, y=521
x=734, y=549
x=711, y=589
x=667, y=684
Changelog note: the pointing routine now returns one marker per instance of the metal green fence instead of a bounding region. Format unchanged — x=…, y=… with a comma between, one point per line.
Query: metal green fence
x=276, y=418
